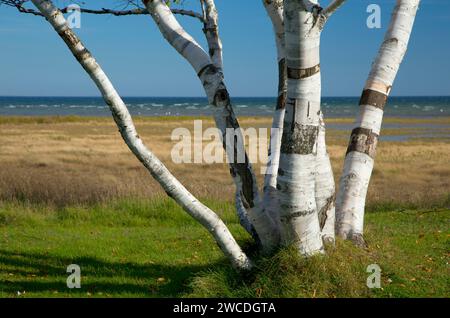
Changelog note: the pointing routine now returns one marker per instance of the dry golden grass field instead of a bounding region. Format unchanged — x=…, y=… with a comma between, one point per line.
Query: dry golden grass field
x=73, y=160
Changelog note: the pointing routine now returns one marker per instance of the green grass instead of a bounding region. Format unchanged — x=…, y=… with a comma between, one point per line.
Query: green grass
x=151, y=248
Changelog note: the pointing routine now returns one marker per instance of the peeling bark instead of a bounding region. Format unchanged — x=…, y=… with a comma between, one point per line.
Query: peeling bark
x=363, y=140
x=300, y=139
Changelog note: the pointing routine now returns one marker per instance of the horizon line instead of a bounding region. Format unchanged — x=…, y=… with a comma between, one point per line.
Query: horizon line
x=203, y=97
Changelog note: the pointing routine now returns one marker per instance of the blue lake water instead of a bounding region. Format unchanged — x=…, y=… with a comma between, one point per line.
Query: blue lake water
x=193, y=106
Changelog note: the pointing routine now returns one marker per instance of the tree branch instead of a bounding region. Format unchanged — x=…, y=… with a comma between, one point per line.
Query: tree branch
x=19, y=5
x=211, y=31
x=274, y=9
x=332, y=8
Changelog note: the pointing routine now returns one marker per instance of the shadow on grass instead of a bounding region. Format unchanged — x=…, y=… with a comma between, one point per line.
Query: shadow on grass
x=46, y=274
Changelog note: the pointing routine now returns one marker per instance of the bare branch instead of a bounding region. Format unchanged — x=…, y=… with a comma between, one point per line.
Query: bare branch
x=274, y=9
x=332, y=8
x=19, y=5
x=211, y=31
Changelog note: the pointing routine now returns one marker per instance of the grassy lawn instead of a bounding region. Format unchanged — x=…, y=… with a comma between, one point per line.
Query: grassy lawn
x=139, y=248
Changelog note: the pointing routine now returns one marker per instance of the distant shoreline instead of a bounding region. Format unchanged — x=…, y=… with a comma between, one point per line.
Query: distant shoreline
x=416, y=107
x=203, y=97
x=5, y=119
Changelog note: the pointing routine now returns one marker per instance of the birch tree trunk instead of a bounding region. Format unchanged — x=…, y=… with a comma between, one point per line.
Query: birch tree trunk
x=325, y=192
x=359, y=160
x=324, y=181
x=123, y=119
x=274, y=10
x=211, y=31
x=297, y=170
x=213, y=82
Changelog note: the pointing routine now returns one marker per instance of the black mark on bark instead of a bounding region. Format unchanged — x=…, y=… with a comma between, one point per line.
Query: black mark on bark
x=282, y=84
x=363, y=140
x=301, y=73
x=301, y=139
x=373, y=98
x=287, y=218
x=323, y=215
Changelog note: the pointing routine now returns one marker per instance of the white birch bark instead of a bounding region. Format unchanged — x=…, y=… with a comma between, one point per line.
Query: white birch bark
x=360, y=155
x=274, y=9
x=211, y=30
x=217, y=93
x=297, y=170
x=123, y=119
x=331, y=8
x=325, y=188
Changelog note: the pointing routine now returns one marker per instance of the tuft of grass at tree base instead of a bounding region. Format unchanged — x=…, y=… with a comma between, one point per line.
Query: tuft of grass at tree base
x=151, y=248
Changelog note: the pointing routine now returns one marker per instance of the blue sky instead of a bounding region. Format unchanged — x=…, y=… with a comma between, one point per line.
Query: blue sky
x=35, y=62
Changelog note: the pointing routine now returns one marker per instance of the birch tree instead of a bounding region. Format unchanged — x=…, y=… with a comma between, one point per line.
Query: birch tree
x=297, y=202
